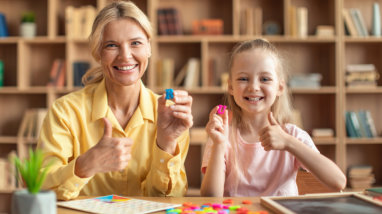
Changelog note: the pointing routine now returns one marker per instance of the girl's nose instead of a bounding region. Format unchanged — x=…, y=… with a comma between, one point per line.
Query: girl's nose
x=254, y=85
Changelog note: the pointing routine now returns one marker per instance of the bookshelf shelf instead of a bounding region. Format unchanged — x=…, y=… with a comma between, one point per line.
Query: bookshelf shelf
x=377, y=90
x=8, y=140
x=28, y=63
x=363, y=141
x=325, y=141
x=321, y=90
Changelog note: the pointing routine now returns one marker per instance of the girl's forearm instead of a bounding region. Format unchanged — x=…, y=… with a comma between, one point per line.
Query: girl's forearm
x=321, y=167
x=213, y=181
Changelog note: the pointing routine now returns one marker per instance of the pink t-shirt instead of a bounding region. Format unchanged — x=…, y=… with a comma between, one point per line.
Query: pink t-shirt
x=263, y=173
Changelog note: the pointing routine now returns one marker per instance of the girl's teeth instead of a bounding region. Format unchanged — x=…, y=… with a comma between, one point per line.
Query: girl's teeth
x=254, y=99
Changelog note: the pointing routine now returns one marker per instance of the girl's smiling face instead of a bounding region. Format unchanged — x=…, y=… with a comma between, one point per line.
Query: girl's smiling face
x=125, y=52
x=254, y=83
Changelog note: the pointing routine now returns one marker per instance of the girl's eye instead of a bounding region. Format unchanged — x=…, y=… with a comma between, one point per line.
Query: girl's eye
x=242, y=79
x=265, y=79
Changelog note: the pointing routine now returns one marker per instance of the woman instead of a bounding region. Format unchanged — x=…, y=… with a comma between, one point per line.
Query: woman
x=115, y=136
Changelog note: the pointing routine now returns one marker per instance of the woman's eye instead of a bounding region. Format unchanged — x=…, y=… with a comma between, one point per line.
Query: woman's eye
x=136, y=43
x=111, y=45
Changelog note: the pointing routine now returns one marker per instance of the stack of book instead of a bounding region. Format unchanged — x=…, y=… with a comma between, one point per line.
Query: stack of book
x=361, y=75
x=360, y=124
x=312, y=80
x=360, y=177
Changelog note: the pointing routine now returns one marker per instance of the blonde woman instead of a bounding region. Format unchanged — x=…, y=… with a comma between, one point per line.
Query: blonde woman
x=115, y=136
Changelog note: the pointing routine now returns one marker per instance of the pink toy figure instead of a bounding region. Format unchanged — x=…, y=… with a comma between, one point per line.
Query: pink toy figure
x=221, y=109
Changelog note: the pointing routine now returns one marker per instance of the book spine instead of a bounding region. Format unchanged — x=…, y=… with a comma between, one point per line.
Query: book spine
x=1, y=73
x=376, y=20
x=3, y=26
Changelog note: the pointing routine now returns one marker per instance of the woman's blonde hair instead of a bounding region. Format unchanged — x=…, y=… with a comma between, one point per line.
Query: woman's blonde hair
x=281, y=108
x=114, y=11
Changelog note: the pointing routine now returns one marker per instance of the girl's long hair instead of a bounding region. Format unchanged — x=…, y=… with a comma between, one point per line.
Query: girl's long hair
x=281, y=108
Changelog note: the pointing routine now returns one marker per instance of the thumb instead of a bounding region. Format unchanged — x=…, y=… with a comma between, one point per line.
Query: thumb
x=108, y=130
x=272, y=120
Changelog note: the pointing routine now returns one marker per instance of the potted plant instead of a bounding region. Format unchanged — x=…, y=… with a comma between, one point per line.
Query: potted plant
x=32, y=200
x=28, y=25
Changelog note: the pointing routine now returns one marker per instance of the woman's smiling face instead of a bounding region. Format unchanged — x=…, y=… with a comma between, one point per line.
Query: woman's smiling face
x=125, y=52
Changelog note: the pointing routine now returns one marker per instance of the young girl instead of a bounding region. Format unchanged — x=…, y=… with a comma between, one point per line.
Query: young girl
x=258, y=152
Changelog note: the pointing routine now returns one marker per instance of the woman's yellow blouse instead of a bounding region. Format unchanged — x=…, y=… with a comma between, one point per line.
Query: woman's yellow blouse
x=74, y=124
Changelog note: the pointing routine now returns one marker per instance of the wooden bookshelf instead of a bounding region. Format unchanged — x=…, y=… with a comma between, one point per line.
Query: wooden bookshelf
x=28, y=62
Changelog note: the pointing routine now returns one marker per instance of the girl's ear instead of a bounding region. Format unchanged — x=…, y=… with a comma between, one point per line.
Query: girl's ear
x=281, y=88
x=230, y=90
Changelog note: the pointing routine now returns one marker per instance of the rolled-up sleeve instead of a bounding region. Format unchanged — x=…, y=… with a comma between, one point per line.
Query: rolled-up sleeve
x=167, y=175
x=59, y=147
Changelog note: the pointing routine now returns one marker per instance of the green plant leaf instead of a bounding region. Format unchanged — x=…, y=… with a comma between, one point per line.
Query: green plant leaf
x=32, y=171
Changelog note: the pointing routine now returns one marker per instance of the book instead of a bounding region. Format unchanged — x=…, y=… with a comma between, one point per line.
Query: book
x=88, y=14
x=69, y=22
x=173, y=23
x=57, y=73
x=211, y=72
x=349, y=23
x=360, y=67
x=312, y=80
x=79, y=70
x=376, y=24
x=350, y=128
x=179, y=78
x=375, y=191
x=192, y=78
x=292, y=21
x=325, y=31
x=165, y=72
x=162, y=23
x=258, y=21
x=365, y=126
x=359, y=22
x=3, y=26
x=370, y=122
x=249, y=24
x=359, y=170
x=322, y=132
x=1, y=73
x=302, y=22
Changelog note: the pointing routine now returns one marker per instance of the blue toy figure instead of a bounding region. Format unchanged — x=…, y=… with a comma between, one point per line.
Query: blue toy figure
x=169, y=94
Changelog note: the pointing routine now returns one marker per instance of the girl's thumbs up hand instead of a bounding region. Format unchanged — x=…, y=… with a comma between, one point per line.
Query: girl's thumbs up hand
x=273, y=137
